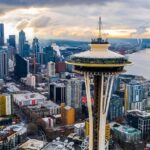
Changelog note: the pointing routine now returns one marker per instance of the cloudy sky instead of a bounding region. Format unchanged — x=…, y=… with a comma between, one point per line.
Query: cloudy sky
x=76, y=19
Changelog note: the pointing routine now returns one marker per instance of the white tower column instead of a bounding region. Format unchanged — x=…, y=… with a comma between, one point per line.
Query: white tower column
x=103, y=89
x=89, y=104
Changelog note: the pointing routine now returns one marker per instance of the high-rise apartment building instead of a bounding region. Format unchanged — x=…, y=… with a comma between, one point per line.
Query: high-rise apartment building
x=12, y=41
x=51, y=69
x=22, y=39
x=115, y=108
x=134, y=95
x=21, y=67
x=3, y=63
x=74, y=92
x=1, y=34
x=5, y=105
x=57, y=92
x=35, y=47
x=26, y=49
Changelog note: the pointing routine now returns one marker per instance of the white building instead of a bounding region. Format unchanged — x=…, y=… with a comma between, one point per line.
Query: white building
x=28, y=99
x=31, y=80
x=51, y=69
x=79, y=129
x=74, y=92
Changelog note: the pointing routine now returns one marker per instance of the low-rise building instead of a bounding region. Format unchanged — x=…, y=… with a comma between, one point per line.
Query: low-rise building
x=139, y=120
x=127, y=133
x=47, y=108
x=67, y=115
x=79, y=129
x=32, y=144
x=28, y=99
x=11, y=136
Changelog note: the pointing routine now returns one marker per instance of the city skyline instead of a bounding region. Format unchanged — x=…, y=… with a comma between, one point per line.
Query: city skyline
x=65, y=20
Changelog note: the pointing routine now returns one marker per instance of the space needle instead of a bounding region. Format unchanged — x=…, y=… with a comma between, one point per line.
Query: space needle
x=102, y=65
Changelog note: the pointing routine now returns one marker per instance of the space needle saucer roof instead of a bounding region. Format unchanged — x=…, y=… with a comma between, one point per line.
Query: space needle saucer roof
x=99, y=56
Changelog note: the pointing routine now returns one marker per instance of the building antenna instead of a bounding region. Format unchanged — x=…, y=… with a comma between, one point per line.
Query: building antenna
x=100, y=28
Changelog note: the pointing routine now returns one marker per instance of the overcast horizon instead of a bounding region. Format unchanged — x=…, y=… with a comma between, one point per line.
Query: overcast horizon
x=76, y=20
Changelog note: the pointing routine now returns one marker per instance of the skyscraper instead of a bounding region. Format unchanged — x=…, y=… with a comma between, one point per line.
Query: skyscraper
x=102, y=65
x=3, y=63
x=74, y=92
x=35, y=47
x=21, y=67
x=12, y=41
x=115, y=108
x=51, y=69
x=57, y=92
x=134, y=96
x=22, y=39
x=26, y=49
x=1, y=34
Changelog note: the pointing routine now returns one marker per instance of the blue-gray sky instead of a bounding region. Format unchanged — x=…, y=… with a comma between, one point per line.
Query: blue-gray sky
x=76, y=19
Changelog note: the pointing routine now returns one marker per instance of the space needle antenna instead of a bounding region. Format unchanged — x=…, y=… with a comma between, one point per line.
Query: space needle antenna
x=100, y=28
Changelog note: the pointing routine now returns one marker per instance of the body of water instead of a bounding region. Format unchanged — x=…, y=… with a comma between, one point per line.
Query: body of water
x=141, y=64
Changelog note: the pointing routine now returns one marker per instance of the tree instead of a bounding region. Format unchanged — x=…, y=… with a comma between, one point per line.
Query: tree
x=41, y=124
x=32, y=129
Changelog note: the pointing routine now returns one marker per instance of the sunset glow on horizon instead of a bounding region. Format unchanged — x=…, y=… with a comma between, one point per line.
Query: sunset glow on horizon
x=67, y=21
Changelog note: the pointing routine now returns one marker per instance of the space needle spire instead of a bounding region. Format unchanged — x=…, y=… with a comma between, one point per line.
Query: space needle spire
x=100, y=28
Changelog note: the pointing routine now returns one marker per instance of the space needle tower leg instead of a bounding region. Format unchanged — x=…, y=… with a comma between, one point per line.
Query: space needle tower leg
x=103, y=86
x=89, y=104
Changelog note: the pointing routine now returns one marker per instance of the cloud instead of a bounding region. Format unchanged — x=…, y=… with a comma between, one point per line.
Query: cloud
x=52, y=2
x=139, y=31
x=75, y=18
x=40, y=22
x=22, y=25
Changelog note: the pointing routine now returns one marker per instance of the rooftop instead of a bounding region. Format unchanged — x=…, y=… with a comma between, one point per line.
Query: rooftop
x=12, y=129
x=47, y=104
x=27, y=96
x=99, y=56
x=33, y=144
x=138, y=113
x=127, y=129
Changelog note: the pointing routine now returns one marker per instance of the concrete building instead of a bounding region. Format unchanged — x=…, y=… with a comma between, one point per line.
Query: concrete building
x=51, y=69
x=47, y=108
x=74, y=92
x=6, y=105
x=31, y=80
x=28, y=99
x=139, y=120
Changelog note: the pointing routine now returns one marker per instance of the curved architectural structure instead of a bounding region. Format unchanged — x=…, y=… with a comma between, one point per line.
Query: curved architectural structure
x=102, y=65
